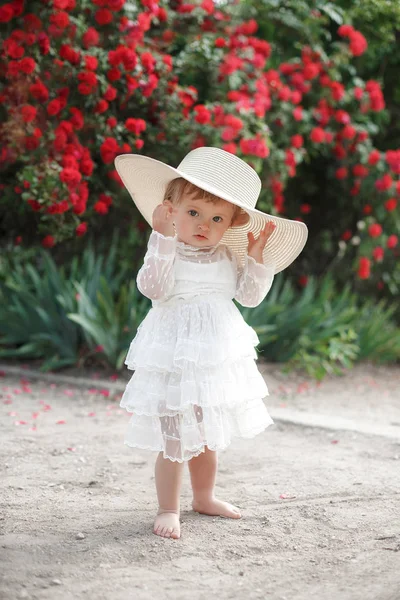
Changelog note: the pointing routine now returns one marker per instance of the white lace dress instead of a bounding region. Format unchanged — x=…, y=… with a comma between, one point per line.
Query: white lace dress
x=195, y=381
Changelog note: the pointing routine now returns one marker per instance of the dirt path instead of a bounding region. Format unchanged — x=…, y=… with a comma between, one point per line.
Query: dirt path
x=77, y=506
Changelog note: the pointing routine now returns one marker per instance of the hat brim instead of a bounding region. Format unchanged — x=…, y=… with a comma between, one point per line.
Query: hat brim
x=146, y=179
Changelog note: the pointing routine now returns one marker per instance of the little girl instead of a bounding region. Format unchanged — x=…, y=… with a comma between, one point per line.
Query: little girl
x=196, y=384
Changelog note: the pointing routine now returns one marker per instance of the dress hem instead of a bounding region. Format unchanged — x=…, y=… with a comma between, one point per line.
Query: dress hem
x=200, y=450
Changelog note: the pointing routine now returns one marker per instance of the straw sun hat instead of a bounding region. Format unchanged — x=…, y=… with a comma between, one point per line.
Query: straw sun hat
x=224, y=175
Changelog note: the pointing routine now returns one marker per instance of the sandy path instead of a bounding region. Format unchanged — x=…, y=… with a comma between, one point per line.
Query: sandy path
x=337, y=538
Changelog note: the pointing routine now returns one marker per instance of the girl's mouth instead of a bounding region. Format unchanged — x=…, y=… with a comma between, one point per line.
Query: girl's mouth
x=201, y=237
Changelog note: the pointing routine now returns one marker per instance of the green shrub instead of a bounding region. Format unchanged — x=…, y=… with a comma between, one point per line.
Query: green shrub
x=322, y=329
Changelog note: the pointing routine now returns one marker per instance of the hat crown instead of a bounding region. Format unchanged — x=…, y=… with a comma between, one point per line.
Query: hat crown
x=222, y=173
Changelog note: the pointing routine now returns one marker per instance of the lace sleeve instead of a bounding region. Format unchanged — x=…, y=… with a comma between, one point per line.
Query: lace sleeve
x=254, y=280
x=155, y=278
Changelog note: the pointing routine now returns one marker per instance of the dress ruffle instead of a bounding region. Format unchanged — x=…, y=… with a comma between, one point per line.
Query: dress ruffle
x=206, y=334
x=185, y=435
x=168, y=393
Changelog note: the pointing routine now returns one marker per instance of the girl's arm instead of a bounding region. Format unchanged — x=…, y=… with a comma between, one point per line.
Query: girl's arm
x=254, y=280
x=155, y=278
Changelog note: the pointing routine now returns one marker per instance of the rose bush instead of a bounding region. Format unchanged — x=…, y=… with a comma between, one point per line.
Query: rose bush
x=84, y=83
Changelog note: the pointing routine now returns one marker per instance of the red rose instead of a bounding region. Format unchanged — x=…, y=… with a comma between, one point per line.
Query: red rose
x=61, y=4
x=228, y=134
x=393, y=160
x=364, y=268
x=48, y=241
x=375, y=230
x=70, y=176
x=148, y=61
x=39, y=91
x=69, y=54
x=362, y=136
x=114, y=74
x=101, y=107
x=346, y=30
x=254, y=147
x=298, y=113
x=108, y=150
x=27, y=65
x=233, y=121
x=343, y=117
x=186, y=8
x=341, y=173
x=90, y=38
x=360, y=171
x=60, y=19
x=86, y=167
x=297, y=141
x=31, y=142
x=339, y=151
x=106, y=199
x=6, y=13
x=358, y=44
x=378, y=253
x=110, y=94
x=358, y=93
x=34, y=204
x=392, y=241
x=101, y=208
x=317, y=135
x=385, y=183
x=81, y=229
x=348, y=132
x=91, y=63
x=53, y=107
x=377, y=101
x=284, y=93
x=203, y=115
x=103, y=16
x=76, y=120
x=28, y=113
x=346, y=235
x=136, y=126
x=232, y=148
x=367, y=210
x=302, y=280
x=305, y=209
x=391, y=204
x=337, y=90
x=374, y=157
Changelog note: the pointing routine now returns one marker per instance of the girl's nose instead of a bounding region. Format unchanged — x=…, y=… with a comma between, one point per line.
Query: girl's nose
x=204, y=226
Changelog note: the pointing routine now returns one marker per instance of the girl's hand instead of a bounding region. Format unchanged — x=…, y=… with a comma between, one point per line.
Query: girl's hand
x=162, y=219
x=256, y=246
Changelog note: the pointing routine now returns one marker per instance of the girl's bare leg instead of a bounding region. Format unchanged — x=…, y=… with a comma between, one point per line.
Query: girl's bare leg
x=168, y=483
x=203, y=472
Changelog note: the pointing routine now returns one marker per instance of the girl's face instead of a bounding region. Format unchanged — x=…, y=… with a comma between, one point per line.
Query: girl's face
x=200, y=223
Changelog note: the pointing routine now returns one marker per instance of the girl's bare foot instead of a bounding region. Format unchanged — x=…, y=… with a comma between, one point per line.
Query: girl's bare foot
x=216, y=508
x=166, y=524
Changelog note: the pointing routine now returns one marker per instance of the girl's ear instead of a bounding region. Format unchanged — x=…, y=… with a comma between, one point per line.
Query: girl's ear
x=241, y=219
x=170, y=206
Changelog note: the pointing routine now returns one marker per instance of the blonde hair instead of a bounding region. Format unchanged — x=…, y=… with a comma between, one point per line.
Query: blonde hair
x=180, y=186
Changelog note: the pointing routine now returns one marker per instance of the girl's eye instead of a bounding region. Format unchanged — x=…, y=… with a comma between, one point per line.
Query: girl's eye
x=192, y=211
x=217, y=218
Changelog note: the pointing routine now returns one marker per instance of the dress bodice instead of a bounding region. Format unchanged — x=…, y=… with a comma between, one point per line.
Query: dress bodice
x=175, y=270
